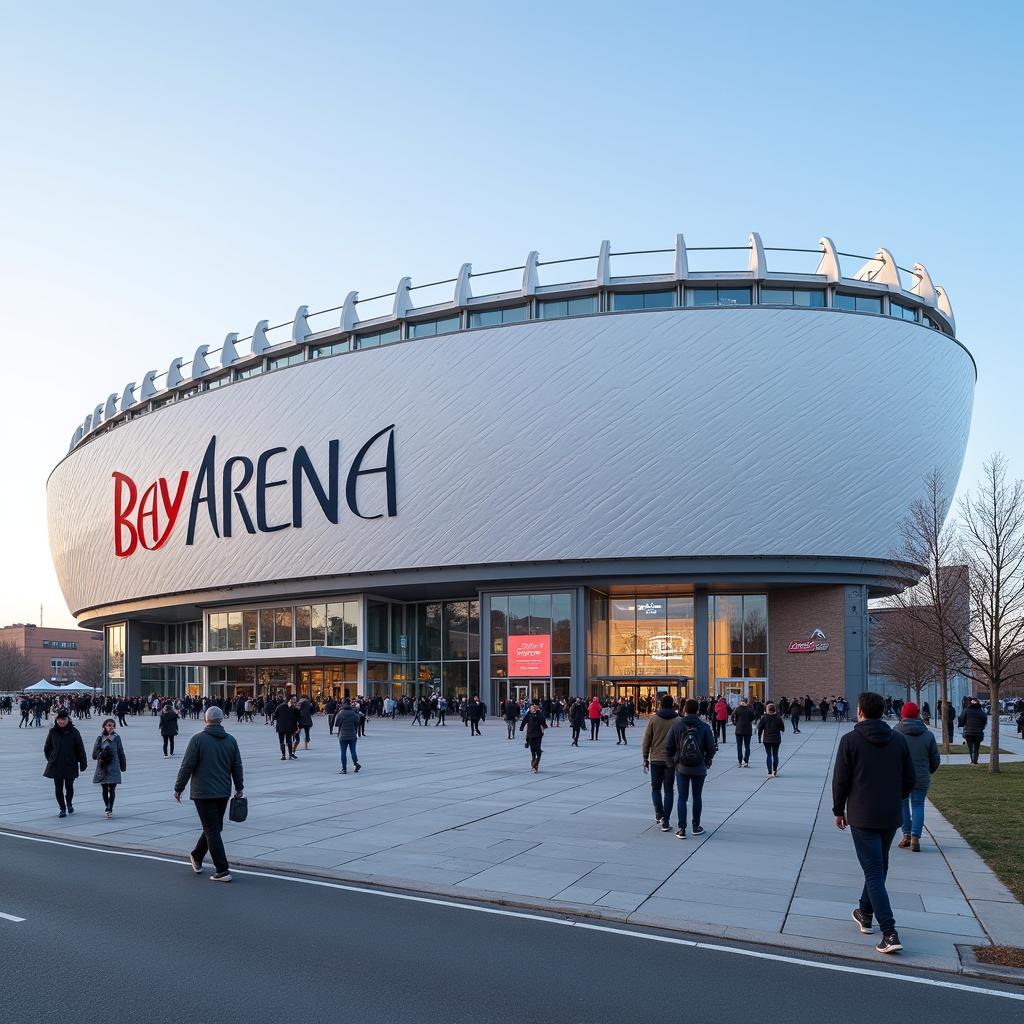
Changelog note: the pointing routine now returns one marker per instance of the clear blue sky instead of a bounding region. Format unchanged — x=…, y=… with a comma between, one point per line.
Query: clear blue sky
x=173, y=172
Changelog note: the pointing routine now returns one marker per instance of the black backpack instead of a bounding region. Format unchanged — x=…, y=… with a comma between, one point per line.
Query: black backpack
x=690, y=753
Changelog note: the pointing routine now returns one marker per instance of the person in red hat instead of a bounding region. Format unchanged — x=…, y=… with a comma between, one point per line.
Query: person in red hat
x=924, y=752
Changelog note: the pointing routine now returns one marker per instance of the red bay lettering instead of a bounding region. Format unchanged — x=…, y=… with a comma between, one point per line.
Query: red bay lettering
x=146, y=521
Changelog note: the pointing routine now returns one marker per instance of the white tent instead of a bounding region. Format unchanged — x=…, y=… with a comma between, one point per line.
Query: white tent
x=42, y=687
x=79, y=687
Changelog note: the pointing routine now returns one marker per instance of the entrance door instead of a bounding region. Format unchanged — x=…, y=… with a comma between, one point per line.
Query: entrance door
x=735, y=689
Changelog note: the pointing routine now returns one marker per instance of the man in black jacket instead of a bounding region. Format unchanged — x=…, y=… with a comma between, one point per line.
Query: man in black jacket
x=973, y=722
x=743, y=728
x=873, y=774
x=690, y=748
x=286, y=720
x=212, y=762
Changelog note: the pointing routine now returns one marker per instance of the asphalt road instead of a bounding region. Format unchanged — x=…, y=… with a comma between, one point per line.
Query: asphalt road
x=109, y=938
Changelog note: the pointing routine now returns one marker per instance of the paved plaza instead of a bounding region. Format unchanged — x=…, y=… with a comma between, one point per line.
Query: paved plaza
x=436, y=810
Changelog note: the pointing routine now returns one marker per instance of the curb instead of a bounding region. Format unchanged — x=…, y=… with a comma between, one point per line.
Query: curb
x=974, y=968
x=695, y=930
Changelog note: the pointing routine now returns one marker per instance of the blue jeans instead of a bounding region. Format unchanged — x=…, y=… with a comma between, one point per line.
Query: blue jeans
x=743, y=748
x=913, y=812
x=771, y=751
x=683, y=784
x=872, y=847
x=662, y=782
x=347, y=745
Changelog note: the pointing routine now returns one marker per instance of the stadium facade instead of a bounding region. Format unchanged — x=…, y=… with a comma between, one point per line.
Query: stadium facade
x=678, y=480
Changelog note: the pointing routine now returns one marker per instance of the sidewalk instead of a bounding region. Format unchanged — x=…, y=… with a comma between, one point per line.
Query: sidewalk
x=436, y=810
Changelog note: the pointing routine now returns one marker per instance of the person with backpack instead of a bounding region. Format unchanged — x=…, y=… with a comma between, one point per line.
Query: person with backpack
x=873, y=775
x=662, y=771
x=743, y=728
x=534, y=724
x=108, y=753
x=690, y=748
x=925, y=754
x=769, y=732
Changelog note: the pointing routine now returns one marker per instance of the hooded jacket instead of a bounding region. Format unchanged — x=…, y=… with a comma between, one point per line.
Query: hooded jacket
x=656, y=733
x=771, y=728
x=973, y=722
x=212, y=761
x=705, y=737
x=873, y=774
x=743, y=720
x=64, y=752
x=924, y=751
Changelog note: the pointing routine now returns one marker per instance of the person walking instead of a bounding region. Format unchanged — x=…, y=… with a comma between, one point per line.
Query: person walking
x=873, y=775
x=510, y=712
x=121, y=709
x=442, y=711
x=823, y=709
x=475, y=712
x=65, y=758
x=577, y=715
x=347, y=723
x=769, y=732
x=662, y=771
x=331, y=710
x=924, y=752
x=594, y=714
x=212, y=762
x=621, y=722
x=305, y=720
x=108, y=753
x=794, y=715
x=286, y=721
x=721, y=716
x=972, y=722
x=743, y=729
x=534, y=723
x=690, y=748
x=168, y=726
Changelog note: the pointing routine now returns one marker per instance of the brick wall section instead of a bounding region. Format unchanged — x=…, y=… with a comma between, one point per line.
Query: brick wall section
x=29, y=639
x=792, y=615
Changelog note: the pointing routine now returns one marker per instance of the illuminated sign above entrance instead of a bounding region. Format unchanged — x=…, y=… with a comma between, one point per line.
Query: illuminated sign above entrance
x=529, y=656
x=818, y=642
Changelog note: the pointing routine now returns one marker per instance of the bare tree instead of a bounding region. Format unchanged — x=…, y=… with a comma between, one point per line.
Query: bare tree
x=992, y=637
x=905, y=649
x=937, y=605
x=15, y=668
x=90, y=667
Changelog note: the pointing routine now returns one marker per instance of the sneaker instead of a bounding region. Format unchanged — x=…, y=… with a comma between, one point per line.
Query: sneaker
x=343, y=771
x=890, y=944
x=292, y=757
x=109, y=814
x=745, y=765
x=680, y=833
x=220, y=876
x=71, y=809
x=358, y=766
x=863, y=922
x=698, y=830
x=283, y=758
x=63, y=814
x=195, y=865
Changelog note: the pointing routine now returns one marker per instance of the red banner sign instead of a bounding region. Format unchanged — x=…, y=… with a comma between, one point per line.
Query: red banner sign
x=529, y=656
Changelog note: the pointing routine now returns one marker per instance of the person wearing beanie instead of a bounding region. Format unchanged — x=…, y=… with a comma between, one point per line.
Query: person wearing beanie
x=65, y=757
x=924, y=752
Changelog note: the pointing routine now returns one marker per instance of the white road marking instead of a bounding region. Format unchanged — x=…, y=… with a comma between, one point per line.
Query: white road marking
x=867, y=972
x=11, y=917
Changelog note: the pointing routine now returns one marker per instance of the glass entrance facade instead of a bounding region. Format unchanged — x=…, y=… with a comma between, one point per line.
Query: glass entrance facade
x=738, y=644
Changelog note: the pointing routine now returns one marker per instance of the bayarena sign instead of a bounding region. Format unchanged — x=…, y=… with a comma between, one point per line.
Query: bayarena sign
x=237, y=486
x=818, y=642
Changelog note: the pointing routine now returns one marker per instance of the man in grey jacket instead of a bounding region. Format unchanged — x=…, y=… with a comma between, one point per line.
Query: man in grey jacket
x=212, y=761
x=924, y=752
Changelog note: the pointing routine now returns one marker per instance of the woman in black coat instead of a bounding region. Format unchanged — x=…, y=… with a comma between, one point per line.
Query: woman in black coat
x=65, y=757
x=769, y=732
x=621, y=722
x=534, y=724
x=168, y=728
x=577, y=716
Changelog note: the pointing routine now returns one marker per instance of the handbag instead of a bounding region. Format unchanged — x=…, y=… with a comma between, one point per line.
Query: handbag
x=238, y=809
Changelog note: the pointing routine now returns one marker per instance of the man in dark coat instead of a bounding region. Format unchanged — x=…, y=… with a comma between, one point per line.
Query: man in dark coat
x=474, y=713
x=211, y=763
x=873, y=775
x=305, y=719
x=973, y=722
x=690, y=734
x=743, y=728
x=65, y=758
x=286, y=722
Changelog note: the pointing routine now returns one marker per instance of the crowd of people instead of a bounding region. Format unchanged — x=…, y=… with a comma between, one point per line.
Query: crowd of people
x=880, y=782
